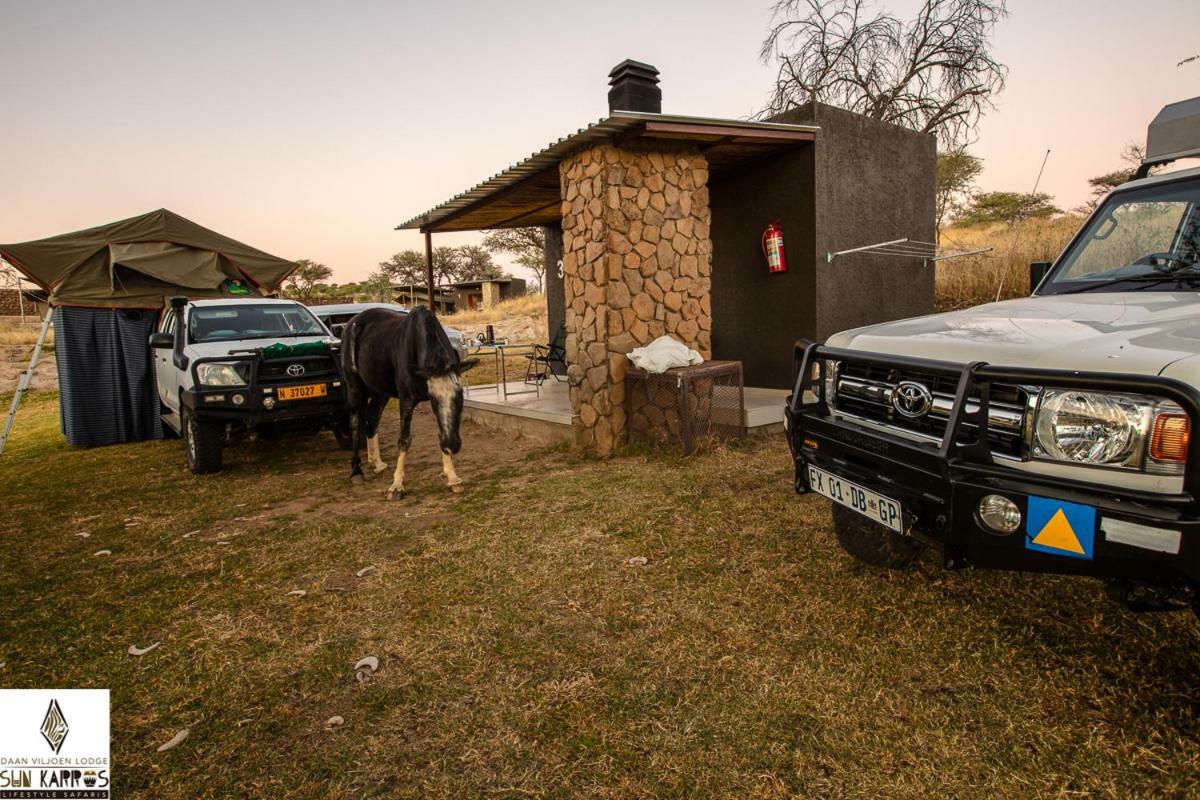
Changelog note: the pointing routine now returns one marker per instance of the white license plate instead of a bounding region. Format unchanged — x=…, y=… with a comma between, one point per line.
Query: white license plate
x=883, y=510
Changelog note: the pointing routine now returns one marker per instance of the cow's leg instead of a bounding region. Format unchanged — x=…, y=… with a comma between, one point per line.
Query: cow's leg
x=452, y=480
x=375, y=407
x=406, y=412
x=355, y=399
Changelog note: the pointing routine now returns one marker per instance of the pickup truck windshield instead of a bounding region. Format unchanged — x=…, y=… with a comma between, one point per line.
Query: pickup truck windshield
x=233, y=323
x=1146, y=239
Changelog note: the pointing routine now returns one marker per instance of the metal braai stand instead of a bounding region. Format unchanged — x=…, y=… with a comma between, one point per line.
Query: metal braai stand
x=685, y=405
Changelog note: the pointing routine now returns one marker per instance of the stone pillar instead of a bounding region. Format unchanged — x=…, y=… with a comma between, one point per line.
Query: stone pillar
x=491, y=293
x=637, y=264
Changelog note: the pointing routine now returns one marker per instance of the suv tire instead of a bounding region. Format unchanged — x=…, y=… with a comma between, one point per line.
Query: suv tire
x=202, y=443
x=870, y=542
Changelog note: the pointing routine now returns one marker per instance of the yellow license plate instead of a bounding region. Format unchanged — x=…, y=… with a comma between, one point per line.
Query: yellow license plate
x=305, y=392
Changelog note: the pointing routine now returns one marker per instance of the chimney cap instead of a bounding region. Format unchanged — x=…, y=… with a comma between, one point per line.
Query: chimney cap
x=633, y=69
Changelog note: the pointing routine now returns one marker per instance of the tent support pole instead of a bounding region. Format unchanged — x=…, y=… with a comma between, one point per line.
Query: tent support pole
x=429, y=270
x=26, y=377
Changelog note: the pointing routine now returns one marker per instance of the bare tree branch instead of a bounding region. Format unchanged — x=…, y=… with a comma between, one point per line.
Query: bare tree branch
x=934, y=73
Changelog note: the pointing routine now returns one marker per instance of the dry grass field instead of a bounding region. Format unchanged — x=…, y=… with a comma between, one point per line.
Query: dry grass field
x=522, y=654
x=1004, y=272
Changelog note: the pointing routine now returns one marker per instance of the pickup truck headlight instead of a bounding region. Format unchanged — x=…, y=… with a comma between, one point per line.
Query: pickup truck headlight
x=219, y=375
x=1107, y=430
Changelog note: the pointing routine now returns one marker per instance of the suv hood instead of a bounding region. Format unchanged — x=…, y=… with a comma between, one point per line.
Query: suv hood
x=217, y=349
x=1133, y=332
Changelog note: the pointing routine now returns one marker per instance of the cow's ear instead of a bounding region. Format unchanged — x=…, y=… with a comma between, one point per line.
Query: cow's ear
x=463, y=366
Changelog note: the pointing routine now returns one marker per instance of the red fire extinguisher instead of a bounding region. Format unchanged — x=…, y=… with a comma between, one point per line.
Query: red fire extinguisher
x=772, y=247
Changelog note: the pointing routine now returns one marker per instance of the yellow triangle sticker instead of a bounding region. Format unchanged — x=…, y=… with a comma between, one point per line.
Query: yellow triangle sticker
x=1059, y=535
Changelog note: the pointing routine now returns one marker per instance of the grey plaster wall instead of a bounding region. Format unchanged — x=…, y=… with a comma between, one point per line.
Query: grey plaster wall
x=859, y=183
x=756, y=315
x=874, y=182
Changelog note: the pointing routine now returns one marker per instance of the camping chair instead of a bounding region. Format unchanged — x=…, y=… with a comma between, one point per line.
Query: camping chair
x=538, y=368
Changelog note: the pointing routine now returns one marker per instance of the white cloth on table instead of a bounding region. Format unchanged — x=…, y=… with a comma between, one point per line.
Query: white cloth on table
x=664, y=353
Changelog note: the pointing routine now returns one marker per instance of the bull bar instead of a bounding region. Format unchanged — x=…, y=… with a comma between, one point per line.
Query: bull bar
x=940, y=483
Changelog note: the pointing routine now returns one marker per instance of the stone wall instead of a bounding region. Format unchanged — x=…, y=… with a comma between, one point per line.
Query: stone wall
x=637, y=264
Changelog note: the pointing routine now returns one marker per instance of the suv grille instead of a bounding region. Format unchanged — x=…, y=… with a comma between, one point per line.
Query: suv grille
x=866, y=391
x=316, y=368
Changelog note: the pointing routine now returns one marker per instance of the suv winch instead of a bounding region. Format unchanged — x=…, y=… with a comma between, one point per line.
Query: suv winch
x=1046, y=434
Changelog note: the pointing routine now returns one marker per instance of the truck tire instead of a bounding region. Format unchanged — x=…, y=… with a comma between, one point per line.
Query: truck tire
x=870, y=542
x=202, y=443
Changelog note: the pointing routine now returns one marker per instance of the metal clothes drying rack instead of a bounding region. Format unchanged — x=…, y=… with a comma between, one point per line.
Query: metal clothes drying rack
x=929, y=252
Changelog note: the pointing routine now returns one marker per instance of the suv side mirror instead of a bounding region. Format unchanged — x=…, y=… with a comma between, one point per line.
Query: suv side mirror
x=162, y=341
x=1037, y=271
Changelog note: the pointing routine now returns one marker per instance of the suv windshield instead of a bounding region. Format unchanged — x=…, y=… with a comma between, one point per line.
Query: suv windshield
x=231, y=323
x=1143, y=239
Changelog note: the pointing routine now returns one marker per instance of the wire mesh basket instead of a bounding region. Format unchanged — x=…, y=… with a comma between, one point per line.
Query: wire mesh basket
x=686, y=405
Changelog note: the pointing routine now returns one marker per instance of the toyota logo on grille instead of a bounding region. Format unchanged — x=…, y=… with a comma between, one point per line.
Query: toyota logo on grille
x=295, y=370
x=911, y=399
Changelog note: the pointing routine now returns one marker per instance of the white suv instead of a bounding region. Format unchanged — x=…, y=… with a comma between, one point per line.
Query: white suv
x=235, y=365
x=1044, y=434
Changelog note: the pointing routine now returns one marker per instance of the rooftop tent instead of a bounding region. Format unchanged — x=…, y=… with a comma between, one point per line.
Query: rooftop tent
x=107, y=285
x=138, y=262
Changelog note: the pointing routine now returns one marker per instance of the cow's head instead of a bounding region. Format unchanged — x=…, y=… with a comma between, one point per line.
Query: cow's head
x=446, y=398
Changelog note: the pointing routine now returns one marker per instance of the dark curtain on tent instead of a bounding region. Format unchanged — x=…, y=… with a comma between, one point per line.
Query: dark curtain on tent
x=107, y=392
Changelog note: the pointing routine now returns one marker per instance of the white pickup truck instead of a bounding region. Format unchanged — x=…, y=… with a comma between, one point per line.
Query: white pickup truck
x=1044, y=434
x=236, y=365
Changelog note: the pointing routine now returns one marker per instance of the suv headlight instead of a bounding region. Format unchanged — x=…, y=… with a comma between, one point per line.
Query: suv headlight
x=1107, y=430
x=220, y=375
x=832, y=369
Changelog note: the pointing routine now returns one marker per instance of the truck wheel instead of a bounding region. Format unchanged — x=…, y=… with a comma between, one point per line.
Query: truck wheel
x=870, y=542
x=202, y=442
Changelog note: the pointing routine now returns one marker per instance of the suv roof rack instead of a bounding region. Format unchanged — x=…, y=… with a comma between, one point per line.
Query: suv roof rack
x=1173, y=134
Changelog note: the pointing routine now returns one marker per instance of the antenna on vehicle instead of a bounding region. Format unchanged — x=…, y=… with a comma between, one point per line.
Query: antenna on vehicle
x=1012, y=246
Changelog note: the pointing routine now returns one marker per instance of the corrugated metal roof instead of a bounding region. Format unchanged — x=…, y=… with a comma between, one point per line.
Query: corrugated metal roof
x=600, y=131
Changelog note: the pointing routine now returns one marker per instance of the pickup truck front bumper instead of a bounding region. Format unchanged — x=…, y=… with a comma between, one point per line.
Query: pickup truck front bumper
x=259, y=400
x=940, y=484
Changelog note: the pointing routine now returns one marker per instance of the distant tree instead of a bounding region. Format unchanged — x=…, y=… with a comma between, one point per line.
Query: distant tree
x=934, y=73
x=475, y=264
x=956, y=173
x=303, y=283
x=407, y=266
x=527, y=245
x=377, y=287
x=1007, y=207
x=450, y=265
x=1132, y=154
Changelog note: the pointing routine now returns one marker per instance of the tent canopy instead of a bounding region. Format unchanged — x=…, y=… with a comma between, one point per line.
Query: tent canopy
x=137, y=262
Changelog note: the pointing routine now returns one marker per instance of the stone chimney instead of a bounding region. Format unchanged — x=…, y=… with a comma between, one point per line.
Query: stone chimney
x=634, y=88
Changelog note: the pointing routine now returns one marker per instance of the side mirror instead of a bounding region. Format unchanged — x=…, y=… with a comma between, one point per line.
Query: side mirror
x=1037, y=271
x=162, y=341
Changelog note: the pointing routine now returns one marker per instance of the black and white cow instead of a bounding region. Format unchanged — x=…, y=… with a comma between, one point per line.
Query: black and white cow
x=409, y=357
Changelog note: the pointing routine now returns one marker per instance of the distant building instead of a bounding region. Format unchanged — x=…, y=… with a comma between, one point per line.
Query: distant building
x=465, y=296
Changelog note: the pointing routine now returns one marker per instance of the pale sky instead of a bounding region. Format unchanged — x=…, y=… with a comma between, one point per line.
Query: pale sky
x=310, y=129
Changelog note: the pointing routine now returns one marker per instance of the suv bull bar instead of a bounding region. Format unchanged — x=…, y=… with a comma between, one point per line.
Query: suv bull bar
x=940, y=484
x=215, y=402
